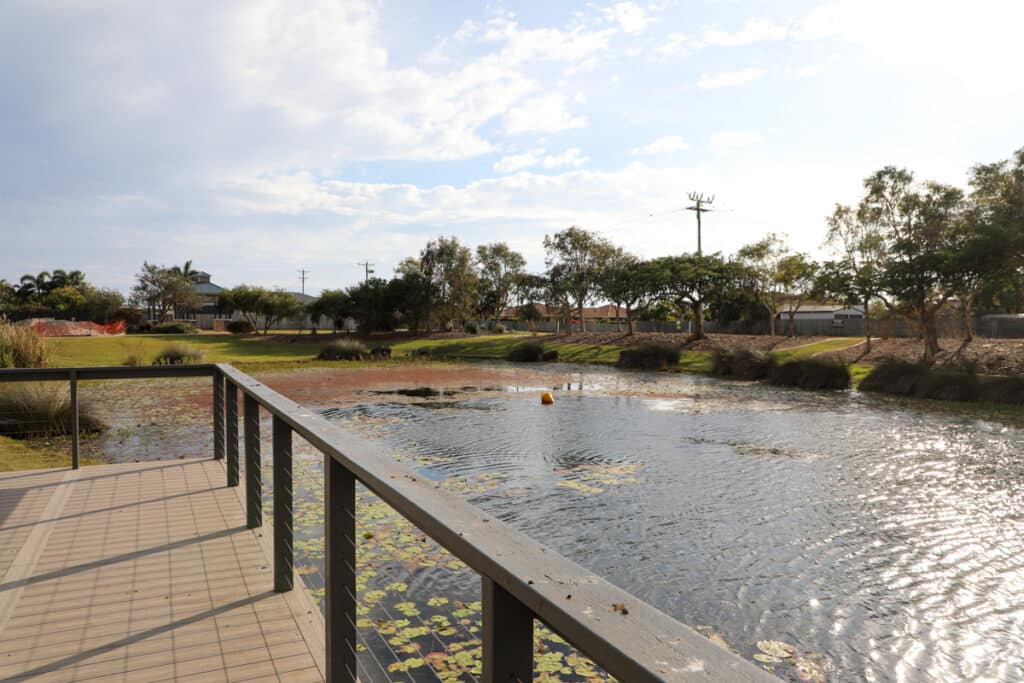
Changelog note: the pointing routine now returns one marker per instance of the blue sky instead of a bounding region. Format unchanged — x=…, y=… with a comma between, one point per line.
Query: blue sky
x=258, y=138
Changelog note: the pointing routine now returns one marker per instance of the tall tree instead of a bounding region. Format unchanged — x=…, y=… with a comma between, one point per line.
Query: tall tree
x=856, y=277
x=579, y=257
x=921, y=225
x=499, y=268
x=162, y=290
x=690, y=281
x=448, y=266
x=333, y=304
x=629, y=282
x=783, y=278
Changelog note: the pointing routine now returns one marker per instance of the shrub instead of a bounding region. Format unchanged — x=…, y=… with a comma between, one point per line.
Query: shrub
x=914, y=379
x=1003, y=390
x=239, y=327
x=174, y=328
x=132, y=359
x=423, y=352
x=530, y=352
x=472, y=328
x=741, y=364
x=499, y=328
x=380, y=352
x=178, y=354
x=43, y=409
x=344, y=349
x=550, y=356
x=21, y=347
x=649, y=357
x=810, y=373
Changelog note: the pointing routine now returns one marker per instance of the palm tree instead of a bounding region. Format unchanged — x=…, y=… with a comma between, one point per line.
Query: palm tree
x=186, y=271
x=33, y=285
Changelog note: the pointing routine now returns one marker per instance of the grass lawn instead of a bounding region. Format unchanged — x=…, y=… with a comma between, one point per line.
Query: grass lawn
x=218, y=348
x=16, y=455
x=808, y=350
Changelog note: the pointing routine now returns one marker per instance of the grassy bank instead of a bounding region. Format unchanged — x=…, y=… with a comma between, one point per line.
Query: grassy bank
x=17, y=455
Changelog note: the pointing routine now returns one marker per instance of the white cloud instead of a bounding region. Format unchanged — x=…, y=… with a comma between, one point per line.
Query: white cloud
x=545, y=114
x=729, y=78
x=517, y=162
x=814, y=69
x=572, y=158
x=676, y=44
x=630, y=16
x=753, y=31
x=728, y=140
x=670, y=144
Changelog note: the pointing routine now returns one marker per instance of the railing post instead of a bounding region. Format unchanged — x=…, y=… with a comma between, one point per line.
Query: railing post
x=508, y=636
x=231, y=399
x=74, y=419
x=340, y=571
x=253, y=465
x=218, y=415
x=283, y=559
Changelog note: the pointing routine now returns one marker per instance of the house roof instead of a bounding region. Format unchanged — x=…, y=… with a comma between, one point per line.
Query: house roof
x=207, y=288
x=303, y=298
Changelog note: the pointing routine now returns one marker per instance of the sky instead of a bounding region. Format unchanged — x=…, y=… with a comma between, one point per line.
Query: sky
x=260, y=138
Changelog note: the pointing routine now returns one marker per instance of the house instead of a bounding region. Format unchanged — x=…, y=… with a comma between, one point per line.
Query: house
x=606, y=312
x=832, y=312
x=209, y=292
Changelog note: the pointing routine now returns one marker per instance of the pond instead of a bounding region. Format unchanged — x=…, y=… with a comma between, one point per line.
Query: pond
x=880, y=542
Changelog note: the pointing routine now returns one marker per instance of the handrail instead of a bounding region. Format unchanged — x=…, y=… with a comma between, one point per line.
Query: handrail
x=521, y=578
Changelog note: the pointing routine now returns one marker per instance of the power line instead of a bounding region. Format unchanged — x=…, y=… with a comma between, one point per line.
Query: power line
x=369, y=269
x=699, y=202
x=303, y=274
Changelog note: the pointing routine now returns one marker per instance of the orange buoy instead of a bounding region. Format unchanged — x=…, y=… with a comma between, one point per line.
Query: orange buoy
x=546, y=398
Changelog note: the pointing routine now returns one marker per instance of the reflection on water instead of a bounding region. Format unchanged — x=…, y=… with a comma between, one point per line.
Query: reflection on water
x=890, y=540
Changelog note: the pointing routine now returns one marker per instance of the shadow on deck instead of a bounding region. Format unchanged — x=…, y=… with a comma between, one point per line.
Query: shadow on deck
x=143, y=572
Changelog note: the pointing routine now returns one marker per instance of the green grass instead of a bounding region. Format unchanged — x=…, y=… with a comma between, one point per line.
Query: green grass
x=808, y=350
x=218, y=348
x=17, y=455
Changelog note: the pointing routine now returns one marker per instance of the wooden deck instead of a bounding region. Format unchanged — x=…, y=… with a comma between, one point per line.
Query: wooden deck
x=143, y=572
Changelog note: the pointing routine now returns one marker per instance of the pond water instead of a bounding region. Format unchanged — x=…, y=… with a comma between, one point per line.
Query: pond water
x=884, y=543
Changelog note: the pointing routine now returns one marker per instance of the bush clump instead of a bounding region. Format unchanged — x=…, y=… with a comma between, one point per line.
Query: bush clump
x=472, y=328
x=424, y=353
x=344, y=349
x=239, y=327
x=649, y=357
x=498, y=328
x=21, y=347
x=178, y=354
x=810, y=373
x=42, y=409
x=550, y=356
x=901, y=378
x=1003, y=390
x=380, y=352
x=741, y=364
x=530, y=352
x=174, y=328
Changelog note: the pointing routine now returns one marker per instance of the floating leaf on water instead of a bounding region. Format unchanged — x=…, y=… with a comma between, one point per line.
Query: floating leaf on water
x=809, y=670
x=776, y=648
x=718, y=640
x=766, y=659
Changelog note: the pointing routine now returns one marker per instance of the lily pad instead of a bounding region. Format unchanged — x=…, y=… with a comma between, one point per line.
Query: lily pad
x=776, y=648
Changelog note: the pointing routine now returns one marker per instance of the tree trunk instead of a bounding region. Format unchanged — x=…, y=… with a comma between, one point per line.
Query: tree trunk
x=618, y=323
x=771, y=322
x=698, y=319
x=968, y=314
x=629, y=320
x=867, y=326
x=792, y=323
x=930, y=335
x=583, y=324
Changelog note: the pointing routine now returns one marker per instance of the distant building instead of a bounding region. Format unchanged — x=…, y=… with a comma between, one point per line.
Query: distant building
x=209, y=292
x=607, y=312
x=831, y=312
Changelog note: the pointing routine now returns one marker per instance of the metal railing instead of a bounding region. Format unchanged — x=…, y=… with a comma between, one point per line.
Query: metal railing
x=521, y=579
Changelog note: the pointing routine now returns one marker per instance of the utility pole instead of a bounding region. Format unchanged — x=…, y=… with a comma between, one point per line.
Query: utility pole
x=303, y=274
x=369, y=269
x=699, y=207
